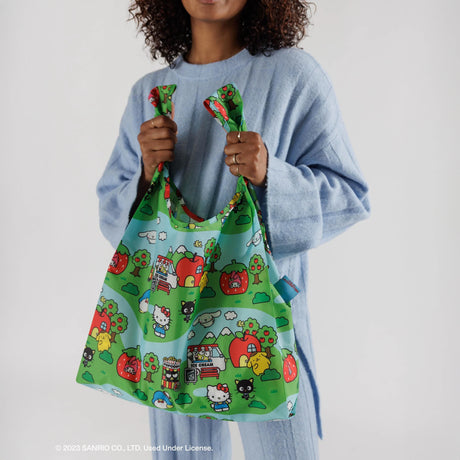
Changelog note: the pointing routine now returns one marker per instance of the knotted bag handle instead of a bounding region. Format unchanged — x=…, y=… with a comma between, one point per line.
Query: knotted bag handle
x=226, y=106
x=161, y=99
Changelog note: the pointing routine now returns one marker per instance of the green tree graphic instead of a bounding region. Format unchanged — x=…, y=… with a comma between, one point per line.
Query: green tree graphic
x=141, y=259
x=212, y=252
x=118, y=324
x=256, y=266
x=150, y=365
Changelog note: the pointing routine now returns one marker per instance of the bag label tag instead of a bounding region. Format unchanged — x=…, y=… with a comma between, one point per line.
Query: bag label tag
x=287, y=289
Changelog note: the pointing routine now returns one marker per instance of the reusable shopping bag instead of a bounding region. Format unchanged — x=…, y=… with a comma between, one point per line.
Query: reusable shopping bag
x=193, y=316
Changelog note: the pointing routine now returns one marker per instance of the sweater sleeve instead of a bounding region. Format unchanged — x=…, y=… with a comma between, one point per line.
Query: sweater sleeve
x=117, y=188
x=314, y=189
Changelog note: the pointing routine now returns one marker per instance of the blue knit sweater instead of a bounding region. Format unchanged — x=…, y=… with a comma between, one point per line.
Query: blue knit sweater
x=314, y=191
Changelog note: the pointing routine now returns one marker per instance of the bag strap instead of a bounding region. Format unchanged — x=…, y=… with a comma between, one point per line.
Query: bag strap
x=226, y=106
x=161, y=99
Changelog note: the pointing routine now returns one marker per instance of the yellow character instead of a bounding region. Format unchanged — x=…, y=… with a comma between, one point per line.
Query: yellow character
x=203, y=281
x=235, y=198
x=103, y=341
x=259, y=362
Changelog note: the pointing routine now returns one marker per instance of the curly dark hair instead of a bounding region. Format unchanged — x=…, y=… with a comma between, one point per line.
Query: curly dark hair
x=265, y=25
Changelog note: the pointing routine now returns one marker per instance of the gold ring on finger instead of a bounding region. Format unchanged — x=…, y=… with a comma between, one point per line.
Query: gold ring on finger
x=239, y=136
x=235, y=161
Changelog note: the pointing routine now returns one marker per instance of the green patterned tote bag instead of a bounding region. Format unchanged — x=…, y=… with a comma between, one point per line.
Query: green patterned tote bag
x=193, y=316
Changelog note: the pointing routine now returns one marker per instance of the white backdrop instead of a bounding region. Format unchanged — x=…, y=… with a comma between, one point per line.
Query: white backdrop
x=389, y=384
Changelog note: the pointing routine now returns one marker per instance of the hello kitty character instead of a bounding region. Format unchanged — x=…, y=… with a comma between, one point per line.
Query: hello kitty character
x=161, y=319
x=219, y=395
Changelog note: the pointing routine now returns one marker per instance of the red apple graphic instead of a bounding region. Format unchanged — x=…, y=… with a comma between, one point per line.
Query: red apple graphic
x=101, y=321
x=242, y=346
x=189, y=271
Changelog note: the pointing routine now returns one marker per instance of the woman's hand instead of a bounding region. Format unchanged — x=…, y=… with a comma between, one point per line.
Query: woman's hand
x=157, y=139
x=247, y=156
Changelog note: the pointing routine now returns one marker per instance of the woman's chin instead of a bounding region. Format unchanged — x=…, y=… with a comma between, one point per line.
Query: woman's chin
x=214, y=10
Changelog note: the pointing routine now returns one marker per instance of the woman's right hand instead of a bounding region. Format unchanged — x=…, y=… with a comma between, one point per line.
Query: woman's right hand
x=157, y=139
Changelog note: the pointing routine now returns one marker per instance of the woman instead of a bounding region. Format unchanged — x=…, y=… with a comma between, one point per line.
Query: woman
x=296, y=153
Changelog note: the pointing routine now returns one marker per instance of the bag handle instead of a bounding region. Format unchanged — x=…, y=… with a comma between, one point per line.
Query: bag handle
x=226, y=106
x=161, y=99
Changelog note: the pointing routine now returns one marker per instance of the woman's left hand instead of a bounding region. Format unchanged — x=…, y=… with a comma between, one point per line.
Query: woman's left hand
x=247, y=156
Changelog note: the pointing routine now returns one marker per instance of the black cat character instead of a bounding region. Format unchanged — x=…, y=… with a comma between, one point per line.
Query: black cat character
x=245, y=387
x=88, y=354
x=187, y=309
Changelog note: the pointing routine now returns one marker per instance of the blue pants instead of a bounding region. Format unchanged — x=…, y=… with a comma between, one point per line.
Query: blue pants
x=292, y=439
